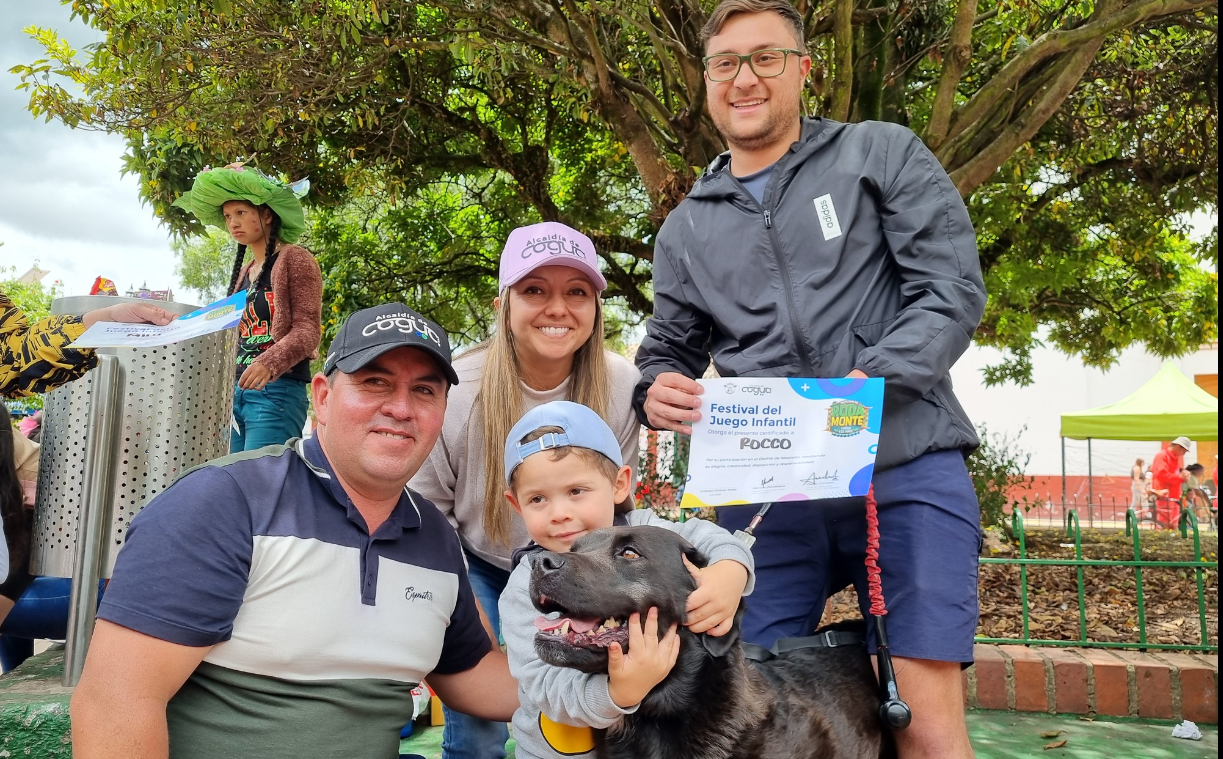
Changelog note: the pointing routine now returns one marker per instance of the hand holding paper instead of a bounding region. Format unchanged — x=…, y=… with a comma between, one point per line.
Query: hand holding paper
x=224, y=314
x=129, y=313
x=671, y=402
x=767, y=439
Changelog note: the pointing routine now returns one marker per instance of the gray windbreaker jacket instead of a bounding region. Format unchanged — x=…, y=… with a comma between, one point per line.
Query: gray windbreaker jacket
x=861, y=256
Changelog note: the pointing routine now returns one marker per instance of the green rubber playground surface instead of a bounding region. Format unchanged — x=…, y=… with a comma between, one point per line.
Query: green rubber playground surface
x=1014, y=735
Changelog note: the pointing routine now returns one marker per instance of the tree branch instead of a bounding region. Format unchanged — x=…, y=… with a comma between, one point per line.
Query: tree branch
x=956, y=57
x=1054, y=43
x=843, y=45
x=1029, y=121
x=860, y=18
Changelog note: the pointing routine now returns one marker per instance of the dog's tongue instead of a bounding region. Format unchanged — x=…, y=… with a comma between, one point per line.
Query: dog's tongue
x=576, y=625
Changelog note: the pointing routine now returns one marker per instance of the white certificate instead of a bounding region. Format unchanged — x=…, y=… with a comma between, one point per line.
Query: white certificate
x=224, y=314
x=761, y=440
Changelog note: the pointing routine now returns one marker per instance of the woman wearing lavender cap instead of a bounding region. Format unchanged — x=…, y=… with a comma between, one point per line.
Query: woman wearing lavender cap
x=548, y=346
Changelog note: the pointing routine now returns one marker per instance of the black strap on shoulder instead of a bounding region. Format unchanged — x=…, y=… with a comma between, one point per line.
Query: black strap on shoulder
x=825, y=639
x=529, y=548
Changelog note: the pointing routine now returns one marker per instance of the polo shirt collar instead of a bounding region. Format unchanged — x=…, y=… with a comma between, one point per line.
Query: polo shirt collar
x=405, y=515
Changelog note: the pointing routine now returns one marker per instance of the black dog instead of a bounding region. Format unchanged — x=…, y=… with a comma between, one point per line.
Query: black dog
x=813, y=703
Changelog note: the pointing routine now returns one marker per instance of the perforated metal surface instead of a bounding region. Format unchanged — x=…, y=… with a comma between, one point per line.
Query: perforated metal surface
x=176, y=406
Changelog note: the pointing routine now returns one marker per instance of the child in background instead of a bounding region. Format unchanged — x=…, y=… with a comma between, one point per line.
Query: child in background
x=562, y=495
x=1196, y=498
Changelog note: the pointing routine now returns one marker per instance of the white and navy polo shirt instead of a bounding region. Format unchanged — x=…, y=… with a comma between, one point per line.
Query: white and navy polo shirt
x=318, y=629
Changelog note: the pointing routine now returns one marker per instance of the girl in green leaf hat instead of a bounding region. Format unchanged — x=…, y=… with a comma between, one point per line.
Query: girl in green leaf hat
x=281, y=327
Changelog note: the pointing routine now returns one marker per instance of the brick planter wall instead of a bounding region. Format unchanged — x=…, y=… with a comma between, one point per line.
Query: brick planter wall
x=1094, y=681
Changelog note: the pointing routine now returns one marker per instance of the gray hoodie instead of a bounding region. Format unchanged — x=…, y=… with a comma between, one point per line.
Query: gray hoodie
x=861, y=256
x=568, y=696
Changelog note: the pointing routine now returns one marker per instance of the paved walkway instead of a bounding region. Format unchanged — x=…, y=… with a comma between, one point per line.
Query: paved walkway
x=1016, y=735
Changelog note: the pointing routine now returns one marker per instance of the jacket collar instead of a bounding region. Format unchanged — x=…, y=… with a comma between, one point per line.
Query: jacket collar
x=405, y=515
x=717, y=181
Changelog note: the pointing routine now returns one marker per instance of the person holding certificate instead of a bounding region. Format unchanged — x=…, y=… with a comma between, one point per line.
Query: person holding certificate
x=819, y=249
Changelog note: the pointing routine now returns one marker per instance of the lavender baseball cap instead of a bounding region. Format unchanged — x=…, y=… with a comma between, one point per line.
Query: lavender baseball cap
x=548, y=244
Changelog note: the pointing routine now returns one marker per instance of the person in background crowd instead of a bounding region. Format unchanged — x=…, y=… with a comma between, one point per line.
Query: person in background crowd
x=1168, y=475
x=31, y=426
x=281, y=327
x=1138, y=483
x=548, y=346
x=282, y=604
x=1197, y=498
x=820, y=249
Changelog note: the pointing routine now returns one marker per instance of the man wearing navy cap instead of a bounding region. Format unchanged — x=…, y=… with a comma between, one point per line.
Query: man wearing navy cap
x=283, y=602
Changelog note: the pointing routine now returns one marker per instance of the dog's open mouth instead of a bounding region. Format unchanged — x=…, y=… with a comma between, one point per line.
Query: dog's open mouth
x=582, y=632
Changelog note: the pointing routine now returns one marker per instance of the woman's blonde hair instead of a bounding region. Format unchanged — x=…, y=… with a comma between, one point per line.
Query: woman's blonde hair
x=500, y=402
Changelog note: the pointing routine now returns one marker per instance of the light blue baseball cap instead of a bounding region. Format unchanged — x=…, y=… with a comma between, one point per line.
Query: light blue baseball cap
x=583, y=428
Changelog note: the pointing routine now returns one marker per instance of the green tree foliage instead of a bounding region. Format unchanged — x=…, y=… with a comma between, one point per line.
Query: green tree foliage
x=205, y=263
x=1081, y=133
x=996, y=468
x=34, y=299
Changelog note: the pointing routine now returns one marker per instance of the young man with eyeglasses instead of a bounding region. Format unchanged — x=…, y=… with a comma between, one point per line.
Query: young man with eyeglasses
x=820, y=249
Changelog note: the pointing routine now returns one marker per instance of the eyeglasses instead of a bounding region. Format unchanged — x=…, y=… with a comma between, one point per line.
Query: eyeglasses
x=766, y=63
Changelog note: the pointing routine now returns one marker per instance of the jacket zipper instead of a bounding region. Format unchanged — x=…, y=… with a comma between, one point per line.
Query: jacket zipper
x=775, y=244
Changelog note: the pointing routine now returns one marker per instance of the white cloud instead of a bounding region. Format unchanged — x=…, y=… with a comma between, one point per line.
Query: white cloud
x=63, y=202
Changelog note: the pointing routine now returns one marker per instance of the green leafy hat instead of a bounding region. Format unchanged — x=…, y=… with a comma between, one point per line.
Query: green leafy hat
x=214, y=187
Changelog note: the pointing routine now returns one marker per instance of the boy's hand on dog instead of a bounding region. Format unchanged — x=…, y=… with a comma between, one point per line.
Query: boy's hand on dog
x=711, y=607
x=631, y=676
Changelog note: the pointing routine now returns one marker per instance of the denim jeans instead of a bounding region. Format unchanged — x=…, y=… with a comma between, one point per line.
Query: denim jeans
x=41, y=612
x=269, y=416
x=466, y=737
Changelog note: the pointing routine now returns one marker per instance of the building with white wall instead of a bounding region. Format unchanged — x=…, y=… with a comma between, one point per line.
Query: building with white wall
x=1061, y=383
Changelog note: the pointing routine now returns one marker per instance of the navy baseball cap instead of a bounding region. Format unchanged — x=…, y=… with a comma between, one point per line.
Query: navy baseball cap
x=367, y=334
x=583, y=428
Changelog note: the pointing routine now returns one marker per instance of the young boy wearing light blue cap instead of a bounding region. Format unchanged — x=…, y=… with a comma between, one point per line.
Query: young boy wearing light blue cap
x=568, y=491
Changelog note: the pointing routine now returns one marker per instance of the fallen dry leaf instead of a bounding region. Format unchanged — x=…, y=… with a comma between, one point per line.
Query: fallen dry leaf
x=1059, y=744
x=1052, y=733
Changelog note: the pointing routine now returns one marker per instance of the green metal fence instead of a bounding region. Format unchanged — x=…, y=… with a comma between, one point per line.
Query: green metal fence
x=1071, y=524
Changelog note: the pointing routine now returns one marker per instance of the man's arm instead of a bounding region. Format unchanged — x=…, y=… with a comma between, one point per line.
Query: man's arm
x=119, y=708
x=36, y=358
x=934, y=251
x=676, y=339
x=486, y=690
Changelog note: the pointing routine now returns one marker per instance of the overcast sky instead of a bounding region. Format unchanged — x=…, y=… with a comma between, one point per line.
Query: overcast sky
x=63, y=203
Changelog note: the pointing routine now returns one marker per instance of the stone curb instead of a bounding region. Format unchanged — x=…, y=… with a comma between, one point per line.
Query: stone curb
x=1093, y=681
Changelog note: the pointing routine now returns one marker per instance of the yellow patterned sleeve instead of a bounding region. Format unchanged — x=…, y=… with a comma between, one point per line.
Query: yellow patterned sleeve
x=35, y=358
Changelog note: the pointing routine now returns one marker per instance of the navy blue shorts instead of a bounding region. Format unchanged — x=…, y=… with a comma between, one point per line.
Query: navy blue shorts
x=929, y=541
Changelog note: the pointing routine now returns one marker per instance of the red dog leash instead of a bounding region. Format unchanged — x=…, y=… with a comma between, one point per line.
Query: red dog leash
x=893, y=711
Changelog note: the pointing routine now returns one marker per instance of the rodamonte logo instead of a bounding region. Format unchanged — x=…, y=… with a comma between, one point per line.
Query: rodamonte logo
x=847, y=418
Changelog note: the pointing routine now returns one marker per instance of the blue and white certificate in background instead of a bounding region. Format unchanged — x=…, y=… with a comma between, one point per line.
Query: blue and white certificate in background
x=762, y=440
x=224, y=314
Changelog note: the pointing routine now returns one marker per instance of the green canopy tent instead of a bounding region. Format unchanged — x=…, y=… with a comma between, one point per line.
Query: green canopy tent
x=1168, y=405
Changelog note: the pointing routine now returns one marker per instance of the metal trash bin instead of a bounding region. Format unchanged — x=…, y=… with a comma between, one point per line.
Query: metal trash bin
x=174, y=404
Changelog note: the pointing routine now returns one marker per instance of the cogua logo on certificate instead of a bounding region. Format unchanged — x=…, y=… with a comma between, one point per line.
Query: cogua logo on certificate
x=776, y=439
